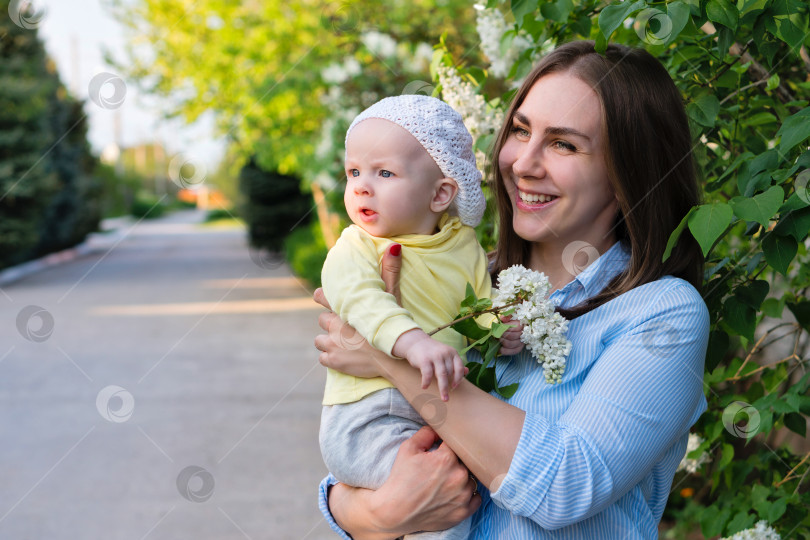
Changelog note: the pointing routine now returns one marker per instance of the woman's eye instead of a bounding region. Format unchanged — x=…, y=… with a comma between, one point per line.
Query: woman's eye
x=519, y=131
x=385, y=174
x=563, y=145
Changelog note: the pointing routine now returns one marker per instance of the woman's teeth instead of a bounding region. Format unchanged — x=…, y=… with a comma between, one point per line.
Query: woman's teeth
x=531, y=198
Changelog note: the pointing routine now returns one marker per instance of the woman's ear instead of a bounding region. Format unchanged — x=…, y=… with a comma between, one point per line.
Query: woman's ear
x=445, y=192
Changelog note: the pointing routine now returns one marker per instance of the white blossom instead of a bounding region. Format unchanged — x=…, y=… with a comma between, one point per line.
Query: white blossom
x=379, y=43
x=692, y=465
x=479, y=118
x=491, y=27
x=761, y=531
x=543, y=328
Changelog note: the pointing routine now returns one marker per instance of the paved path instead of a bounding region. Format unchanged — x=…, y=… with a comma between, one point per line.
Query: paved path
x=164, y=388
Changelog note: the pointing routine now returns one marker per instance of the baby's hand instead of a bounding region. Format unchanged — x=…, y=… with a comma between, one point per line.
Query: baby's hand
x=431, y=357
x=510, y=340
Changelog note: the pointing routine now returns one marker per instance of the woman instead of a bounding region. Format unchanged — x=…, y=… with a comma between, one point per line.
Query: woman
x=593, y=159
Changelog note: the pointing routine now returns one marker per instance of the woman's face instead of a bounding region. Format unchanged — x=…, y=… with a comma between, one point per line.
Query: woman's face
x=553, y=166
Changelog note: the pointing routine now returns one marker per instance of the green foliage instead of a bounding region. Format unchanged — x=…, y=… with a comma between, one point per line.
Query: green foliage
x=146, y=205
x=305, y=252
x=746, y=90
x=274, y=206
x=48, y=195
x=486, y=340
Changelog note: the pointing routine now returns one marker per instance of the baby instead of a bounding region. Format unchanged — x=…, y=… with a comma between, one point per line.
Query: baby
x=409, y=167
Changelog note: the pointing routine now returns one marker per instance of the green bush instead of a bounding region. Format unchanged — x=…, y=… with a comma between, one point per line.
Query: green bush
x=305, y=252
x=739, y=67
x=146, y=206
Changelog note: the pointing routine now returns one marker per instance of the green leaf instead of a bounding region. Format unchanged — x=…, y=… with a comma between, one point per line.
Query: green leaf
x=678, y=14
x=760, y=118
x=613, y=16
x=796, y=423
x=508, y=391
x=557, y=11
x=708, y=222
x=470, y=329
x=777, y=509
x=801, y=310
x=753, y=293
x=728, y=455
x=740, y=317
x=600, y=43
x=716, y=351
x=521, y=8
x=760, y=208
x=673, y=238
x=773, y=307
x=794, y=129
x=779, y=251
x=742, y=520
x=795, y=224
x=790, y=34
x=704, y=110
x=773, y=82
x=723, y=12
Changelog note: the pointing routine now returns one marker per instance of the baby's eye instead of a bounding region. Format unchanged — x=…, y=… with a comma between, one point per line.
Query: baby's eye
x=385, y=174
x=353, y=172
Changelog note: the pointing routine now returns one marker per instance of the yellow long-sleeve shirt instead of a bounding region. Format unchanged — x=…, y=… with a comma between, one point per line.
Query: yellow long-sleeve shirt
x=435, y=271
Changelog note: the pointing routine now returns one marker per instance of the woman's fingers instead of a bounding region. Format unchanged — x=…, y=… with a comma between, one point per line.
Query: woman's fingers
x=390, y=267
x=320, y=298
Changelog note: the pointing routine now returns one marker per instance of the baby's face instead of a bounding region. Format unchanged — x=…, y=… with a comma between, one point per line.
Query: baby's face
x=390, y=180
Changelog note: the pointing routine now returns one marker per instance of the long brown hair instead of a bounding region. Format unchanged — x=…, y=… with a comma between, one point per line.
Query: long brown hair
x=649, y=161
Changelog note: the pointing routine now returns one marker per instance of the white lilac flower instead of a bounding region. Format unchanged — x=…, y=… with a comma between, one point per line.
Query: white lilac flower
x=491, y=27
x=692, y=465
x=479, y=118
x=334, y=74
x=379, y=43
x=543, y=328
x=761, y=531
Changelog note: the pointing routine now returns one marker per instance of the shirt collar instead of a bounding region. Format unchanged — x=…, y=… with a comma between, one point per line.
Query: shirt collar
x=599, y=273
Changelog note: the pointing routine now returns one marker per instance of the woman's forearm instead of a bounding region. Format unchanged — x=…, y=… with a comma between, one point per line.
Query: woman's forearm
x=467, y=422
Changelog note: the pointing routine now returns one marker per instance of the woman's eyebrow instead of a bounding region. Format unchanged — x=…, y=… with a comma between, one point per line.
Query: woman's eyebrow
x=553, y=130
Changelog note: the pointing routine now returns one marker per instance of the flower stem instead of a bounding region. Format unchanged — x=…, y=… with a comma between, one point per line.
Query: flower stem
x=476, y=314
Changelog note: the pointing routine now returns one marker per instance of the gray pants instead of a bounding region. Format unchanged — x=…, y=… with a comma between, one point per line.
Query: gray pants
x=360, y=440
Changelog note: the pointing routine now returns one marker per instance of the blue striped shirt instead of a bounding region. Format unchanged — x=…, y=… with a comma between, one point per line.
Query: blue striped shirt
x=599, y=450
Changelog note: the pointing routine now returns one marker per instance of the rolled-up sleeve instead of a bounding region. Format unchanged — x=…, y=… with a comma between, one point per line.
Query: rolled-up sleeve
x=323, y=504
x=639, y=398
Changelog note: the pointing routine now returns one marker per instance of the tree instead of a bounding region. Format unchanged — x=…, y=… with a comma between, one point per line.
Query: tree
x=743, y=71
x=47, y=198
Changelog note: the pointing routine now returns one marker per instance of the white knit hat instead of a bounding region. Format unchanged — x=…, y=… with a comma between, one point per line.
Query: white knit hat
x=440, y=130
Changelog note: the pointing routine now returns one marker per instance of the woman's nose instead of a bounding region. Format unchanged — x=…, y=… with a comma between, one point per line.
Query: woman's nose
x=529, y=163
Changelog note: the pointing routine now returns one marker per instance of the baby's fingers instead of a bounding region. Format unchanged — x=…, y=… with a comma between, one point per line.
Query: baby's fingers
x=441, y=378
x=458, y=371
x=427, y=374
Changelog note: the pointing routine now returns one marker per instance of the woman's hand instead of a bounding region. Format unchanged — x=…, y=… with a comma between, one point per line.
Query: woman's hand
x=342, y=347
x=426, y=491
